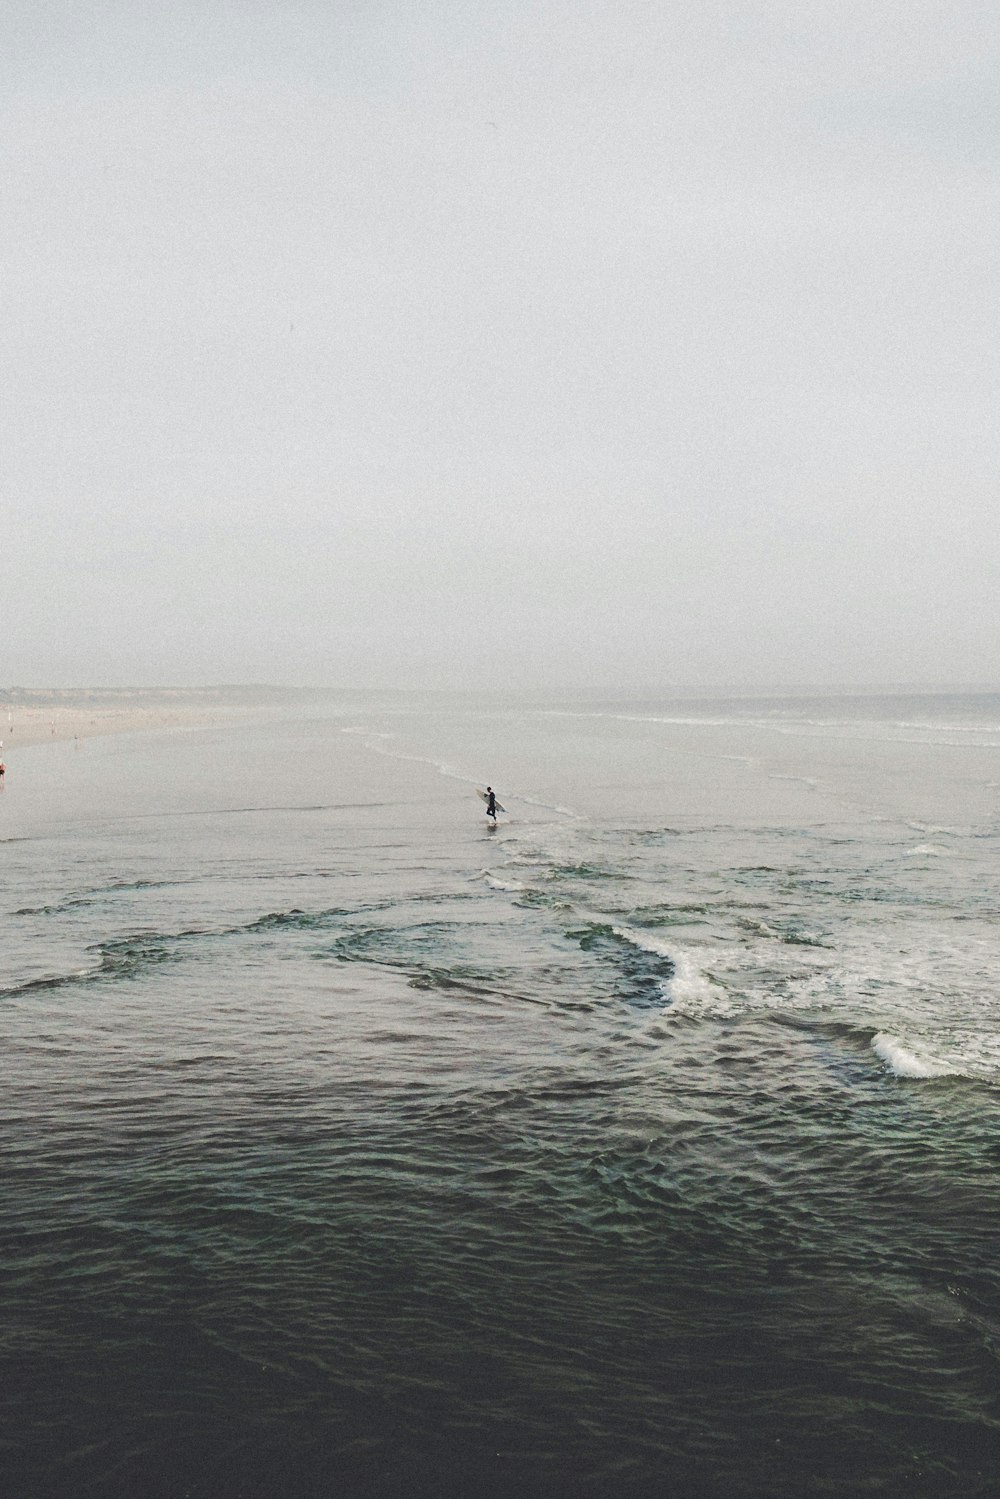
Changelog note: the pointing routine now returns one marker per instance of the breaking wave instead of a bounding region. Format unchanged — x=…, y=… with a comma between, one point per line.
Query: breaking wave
x=905, y=1062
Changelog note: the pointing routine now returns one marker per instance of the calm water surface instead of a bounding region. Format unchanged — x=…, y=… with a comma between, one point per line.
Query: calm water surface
x=646, y=1145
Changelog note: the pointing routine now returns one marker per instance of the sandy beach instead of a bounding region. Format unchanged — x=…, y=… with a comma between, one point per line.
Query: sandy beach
x=31, y=726
x=41, y=716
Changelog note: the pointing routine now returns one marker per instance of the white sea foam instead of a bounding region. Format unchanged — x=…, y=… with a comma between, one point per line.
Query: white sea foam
x=441, y=766
x=385, y=744
x=688, y=985
x=950, y=728
x=511, y=887
x=536, y=801
x=804, y=726
x=644, y=941
x=906, y=1062
x=759, y=928
x=691, y=987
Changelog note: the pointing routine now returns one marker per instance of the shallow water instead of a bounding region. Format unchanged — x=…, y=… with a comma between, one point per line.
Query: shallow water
x=646, y=1144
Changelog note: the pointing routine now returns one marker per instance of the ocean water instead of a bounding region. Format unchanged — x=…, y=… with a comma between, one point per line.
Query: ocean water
x=645, y=1145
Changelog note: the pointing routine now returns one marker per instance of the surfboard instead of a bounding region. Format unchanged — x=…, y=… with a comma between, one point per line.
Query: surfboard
x=486, y=799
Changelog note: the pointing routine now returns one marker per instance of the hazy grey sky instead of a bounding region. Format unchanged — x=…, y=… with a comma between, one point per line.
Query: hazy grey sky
x=650, y=343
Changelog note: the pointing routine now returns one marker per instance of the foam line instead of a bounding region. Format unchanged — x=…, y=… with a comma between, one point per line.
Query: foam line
x=644, y=941
x=906, y=1063
x=449, y=771
x=513, y=887
x=687, y=984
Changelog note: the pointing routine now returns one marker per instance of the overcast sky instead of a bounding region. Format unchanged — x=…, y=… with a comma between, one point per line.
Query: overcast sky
x=630, y=342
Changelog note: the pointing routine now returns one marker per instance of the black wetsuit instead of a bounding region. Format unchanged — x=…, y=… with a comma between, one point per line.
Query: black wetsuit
x=491, y=805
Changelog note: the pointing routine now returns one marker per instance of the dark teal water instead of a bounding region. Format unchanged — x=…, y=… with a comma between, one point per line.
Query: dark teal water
x=647, y=1145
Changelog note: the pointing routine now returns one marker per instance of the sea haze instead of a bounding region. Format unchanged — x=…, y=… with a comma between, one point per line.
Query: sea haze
x=642, y=1145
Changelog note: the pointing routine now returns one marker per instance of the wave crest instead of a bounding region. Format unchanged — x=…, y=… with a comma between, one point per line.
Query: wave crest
x=907, y=1063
